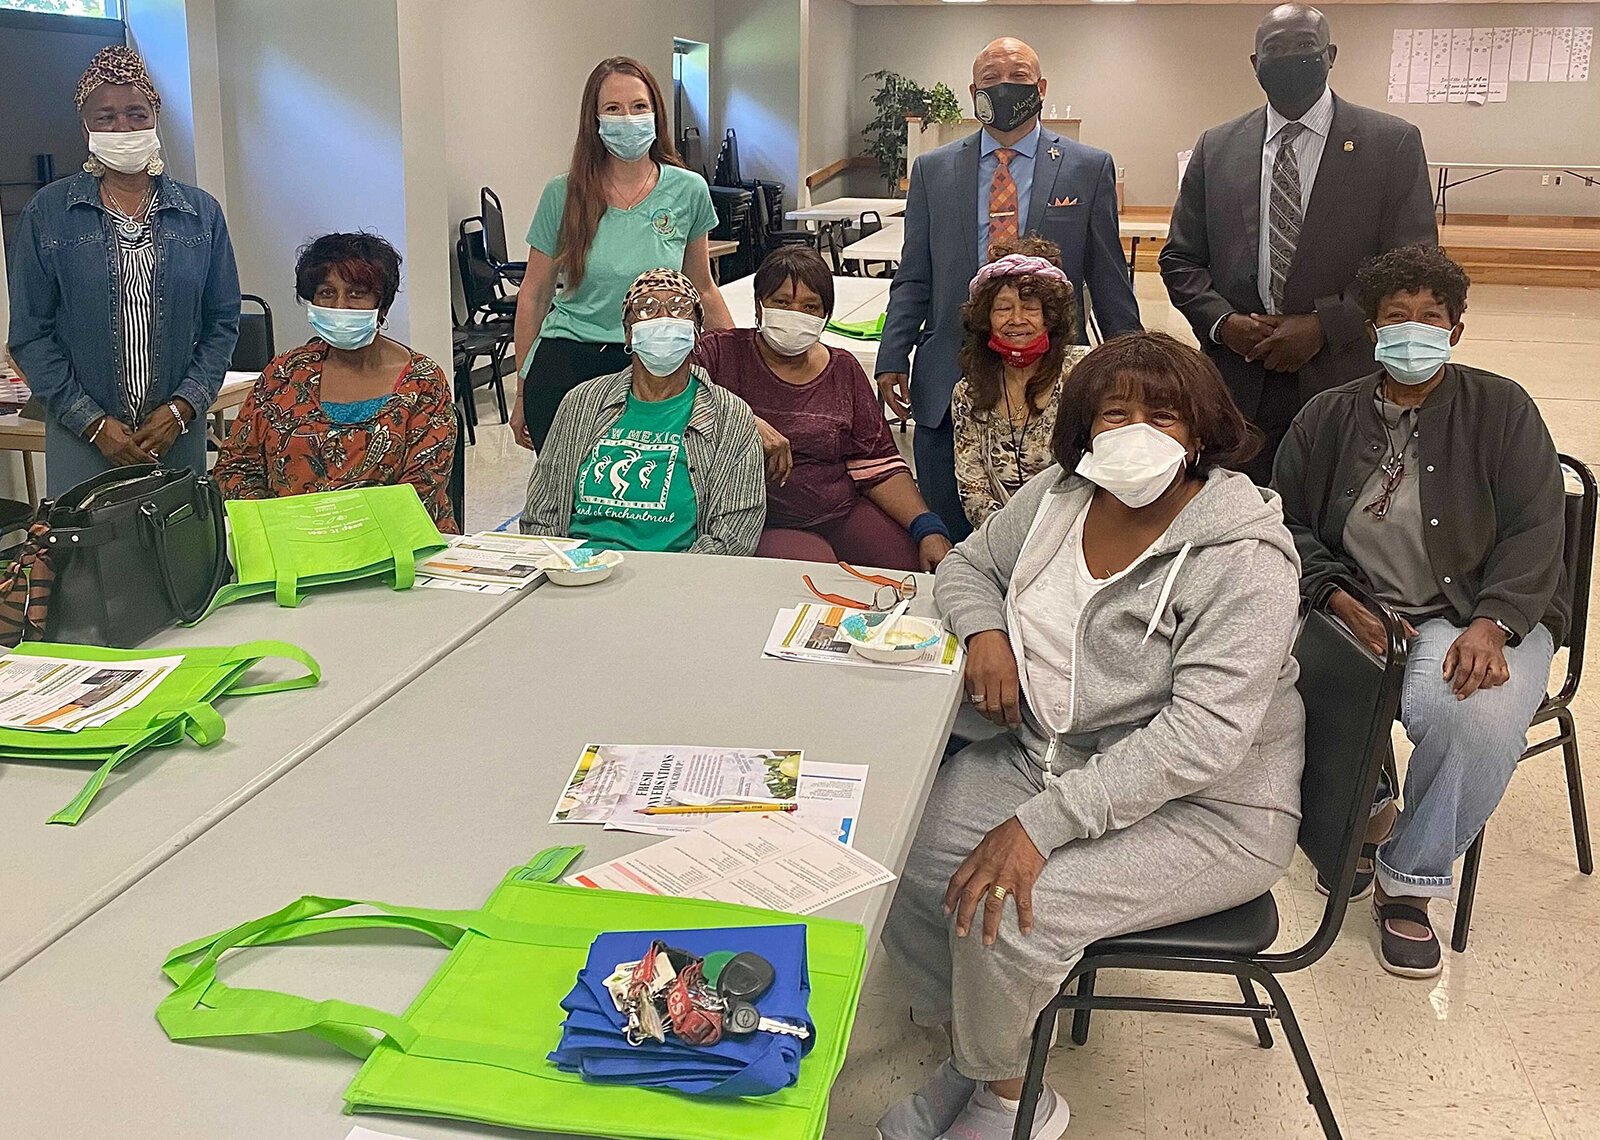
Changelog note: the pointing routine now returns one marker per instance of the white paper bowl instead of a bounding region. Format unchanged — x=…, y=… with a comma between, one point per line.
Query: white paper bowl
x=597, y=569
x=913, y=636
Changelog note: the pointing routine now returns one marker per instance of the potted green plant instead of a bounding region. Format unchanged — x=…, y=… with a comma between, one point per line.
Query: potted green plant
x=896, y=100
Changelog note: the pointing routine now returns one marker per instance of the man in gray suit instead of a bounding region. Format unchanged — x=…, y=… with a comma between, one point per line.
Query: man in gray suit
x=1276, y=211
x=1011, y=178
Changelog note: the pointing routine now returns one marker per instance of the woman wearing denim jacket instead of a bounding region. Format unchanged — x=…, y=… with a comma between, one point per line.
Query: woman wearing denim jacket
x=124, y=293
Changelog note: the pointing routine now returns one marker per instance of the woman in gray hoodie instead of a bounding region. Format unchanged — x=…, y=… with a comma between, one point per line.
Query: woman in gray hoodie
x=1131, y=624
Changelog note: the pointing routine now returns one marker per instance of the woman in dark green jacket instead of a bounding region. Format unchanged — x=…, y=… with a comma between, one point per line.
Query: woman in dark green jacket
x=1437, y=486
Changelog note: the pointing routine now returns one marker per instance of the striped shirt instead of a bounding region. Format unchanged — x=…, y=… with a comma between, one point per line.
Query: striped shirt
x=726, y=467
x=136, y=266
x=1308, y=156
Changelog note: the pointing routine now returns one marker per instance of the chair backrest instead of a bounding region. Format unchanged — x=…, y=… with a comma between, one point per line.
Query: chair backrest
x=1578, y=553
x=477, y=274
x=255, y=348
x=876, y=221
x=1350, y=699
x=458, y=472
x=494, y=227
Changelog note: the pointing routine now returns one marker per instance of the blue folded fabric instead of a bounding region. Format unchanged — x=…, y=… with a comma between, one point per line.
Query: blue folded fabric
x=592, y=1035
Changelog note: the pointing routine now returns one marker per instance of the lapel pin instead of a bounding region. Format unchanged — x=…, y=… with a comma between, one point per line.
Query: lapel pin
x=1349, y=145
x=1054, y=153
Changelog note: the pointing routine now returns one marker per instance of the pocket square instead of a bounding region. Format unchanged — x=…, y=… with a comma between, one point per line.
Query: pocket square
x=1063, y=201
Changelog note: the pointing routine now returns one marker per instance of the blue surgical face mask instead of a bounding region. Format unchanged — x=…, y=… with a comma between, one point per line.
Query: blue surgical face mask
x=662, y=345
x=1412, y=352
x=344, y=328
x=628, y=136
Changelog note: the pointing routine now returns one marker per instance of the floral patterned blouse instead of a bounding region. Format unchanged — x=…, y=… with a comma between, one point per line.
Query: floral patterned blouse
x=989, y=469
x=284, y=443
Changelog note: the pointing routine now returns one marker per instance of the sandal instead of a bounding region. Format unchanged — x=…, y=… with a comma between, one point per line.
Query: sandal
x=1406, y=955
x=1366, y=872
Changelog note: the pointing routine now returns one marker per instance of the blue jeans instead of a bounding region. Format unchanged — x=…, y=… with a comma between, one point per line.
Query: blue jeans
x=70, y=459
x=1462, y=757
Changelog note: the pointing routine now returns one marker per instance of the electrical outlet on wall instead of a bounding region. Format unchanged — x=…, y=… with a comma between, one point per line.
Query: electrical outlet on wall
x=1558, y=180
x=1544, y=180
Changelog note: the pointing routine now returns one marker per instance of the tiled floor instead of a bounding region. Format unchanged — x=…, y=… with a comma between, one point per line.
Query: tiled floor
x=1502, y=1045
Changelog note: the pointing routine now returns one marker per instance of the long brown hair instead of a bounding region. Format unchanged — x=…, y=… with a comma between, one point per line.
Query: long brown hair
x=981, y=365
x=586, y=192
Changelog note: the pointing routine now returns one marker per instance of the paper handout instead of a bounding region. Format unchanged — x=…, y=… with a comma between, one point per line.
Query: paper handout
x=492, y=562
x=810, y=632
x=765, y=860
x=62, y=695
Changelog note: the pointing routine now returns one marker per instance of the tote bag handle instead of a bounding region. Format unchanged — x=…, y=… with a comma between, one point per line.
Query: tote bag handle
x=201, y=1006
x=200, y=721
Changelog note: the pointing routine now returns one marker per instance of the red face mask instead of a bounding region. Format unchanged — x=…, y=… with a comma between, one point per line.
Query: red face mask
x=1021, y=355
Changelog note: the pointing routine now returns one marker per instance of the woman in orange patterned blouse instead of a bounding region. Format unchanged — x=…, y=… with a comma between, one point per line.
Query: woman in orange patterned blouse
x=350, y=407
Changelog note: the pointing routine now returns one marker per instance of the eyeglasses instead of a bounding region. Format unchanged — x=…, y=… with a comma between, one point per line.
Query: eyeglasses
x=1393, y=472
x=890, y=592
x=651, y=306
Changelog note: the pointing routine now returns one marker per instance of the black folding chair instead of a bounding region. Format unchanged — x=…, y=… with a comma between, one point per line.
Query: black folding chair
x=484, y=333
x=1578, y=551
x=1350, y=698
x=255, y=347
x=486, y=291
x=494, y=238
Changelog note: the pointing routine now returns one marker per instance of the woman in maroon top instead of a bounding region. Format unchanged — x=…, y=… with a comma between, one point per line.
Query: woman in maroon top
x=837, y=489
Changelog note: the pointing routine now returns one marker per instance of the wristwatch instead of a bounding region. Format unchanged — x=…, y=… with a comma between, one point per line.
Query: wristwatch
x=1505, y=629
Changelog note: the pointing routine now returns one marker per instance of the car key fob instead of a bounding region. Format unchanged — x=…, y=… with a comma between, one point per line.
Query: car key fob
x=745, y=977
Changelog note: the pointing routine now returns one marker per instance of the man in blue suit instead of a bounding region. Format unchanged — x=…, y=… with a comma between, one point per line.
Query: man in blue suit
x=1011, y=178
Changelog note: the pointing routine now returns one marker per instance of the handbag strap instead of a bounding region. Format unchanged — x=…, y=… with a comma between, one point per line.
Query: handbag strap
x=25, y=588
x=207, y=499
x=202, y=1006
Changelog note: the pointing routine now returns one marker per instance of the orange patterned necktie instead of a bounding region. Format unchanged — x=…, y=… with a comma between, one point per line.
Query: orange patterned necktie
x=1003, y=199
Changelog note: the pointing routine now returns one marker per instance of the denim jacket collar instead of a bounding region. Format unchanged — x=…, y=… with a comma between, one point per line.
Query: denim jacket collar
x=85, y=190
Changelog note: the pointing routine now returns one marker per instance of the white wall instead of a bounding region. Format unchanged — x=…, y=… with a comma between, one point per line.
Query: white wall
x=832, y=75
x=511, y=105
x=1148, y=79
x=755, y=69
x=311, y=117
x=178, y=40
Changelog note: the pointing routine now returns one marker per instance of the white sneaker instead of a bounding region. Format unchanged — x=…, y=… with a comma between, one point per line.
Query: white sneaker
x=987, y=1117
x=926, y=1113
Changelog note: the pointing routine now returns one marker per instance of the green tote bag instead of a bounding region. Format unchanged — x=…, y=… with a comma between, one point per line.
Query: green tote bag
x=179, y=706
x=474, y=1043
x=286, y=546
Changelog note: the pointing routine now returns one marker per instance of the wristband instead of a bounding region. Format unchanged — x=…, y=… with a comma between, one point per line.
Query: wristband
x=100, y=426
x=183, y=424
x=925, y=524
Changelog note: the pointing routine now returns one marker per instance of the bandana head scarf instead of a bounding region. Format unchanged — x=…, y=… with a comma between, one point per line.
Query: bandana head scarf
x=1015, y=265
x=669, y=279
x=117, y=65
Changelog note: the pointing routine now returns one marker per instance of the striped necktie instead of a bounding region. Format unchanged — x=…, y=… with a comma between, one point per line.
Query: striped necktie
x=1002, y=200
x=1284, y=213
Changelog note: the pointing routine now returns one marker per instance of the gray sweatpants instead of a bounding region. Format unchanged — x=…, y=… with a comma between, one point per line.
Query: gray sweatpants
x=1181, y=862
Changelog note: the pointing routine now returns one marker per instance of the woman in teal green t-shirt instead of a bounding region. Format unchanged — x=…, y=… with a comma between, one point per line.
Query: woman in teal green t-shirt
x=626, y=206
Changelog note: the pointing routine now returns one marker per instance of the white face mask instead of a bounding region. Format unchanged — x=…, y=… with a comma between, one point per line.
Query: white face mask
x=127, y=152
x=1135, y=463
x=789, y=333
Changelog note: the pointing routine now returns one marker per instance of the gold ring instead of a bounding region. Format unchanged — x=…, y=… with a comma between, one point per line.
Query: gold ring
x=999, y=892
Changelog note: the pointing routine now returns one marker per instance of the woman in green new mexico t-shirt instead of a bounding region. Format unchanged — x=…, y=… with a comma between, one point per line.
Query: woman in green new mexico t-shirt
x=627, y=205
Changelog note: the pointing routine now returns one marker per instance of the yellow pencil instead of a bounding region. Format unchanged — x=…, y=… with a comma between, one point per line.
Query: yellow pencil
x=690, y=809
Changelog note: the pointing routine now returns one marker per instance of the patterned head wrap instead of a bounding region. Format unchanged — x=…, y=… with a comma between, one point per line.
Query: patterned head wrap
x=1016, y=265
x=652, y=280
x=117, y=65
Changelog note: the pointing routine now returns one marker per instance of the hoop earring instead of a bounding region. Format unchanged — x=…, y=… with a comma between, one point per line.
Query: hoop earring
x=92, y=165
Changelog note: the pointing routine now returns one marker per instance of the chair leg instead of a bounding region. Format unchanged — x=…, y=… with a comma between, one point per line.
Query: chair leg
x=1464, y=896
x=1302, y=1056
x=1580, y=813
x=1263, y=1033
x=498, y=365
x=1033, y=1084
x=1080, y=1017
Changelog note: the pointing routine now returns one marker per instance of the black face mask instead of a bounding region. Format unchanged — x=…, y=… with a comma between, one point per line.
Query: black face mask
x=1291, y=80
x=1006, y=106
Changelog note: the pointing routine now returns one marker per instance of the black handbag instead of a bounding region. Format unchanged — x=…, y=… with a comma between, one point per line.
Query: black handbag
x=133, y=550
